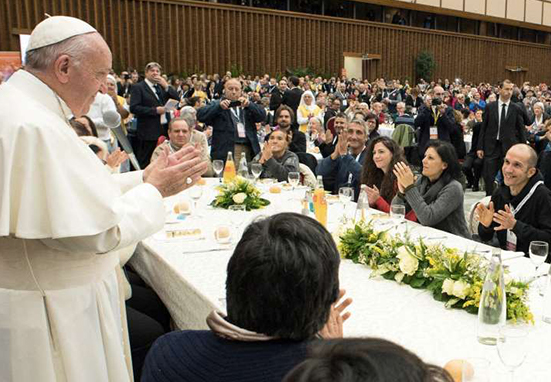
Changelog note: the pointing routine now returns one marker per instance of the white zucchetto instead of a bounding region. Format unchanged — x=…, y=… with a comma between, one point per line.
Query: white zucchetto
x=56, y=29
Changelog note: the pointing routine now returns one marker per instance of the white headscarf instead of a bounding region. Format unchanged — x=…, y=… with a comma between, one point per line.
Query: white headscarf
x=313, y=105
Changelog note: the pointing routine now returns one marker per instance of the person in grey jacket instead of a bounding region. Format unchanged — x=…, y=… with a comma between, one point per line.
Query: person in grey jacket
x=437, y=196
x=276, y=160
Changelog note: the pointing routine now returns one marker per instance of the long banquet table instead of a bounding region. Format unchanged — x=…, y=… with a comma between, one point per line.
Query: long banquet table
x=189, y=276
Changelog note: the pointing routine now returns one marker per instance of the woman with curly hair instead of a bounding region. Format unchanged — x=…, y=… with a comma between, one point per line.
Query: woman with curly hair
x=378, y=178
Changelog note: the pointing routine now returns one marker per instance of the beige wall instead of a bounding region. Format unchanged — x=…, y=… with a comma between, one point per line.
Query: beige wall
x=529, y=11
x=353, y=66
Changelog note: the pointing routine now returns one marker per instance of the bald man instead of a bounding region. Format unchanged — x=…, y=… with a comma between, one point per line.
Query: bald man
x=520, y=210
x=233, y=120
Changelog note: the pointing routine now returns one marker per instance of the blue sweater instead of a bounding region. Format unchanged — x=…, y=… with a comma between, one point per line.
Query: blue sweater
x=200, y=355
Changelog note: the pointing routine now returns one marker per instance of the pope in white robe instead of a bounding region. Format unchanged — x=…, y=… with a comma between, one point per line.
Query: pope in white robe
x=63, y=218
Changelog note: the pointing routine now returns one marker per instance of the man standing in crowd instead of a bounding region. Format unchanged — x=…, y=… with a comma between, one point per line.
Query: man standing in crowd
x=277, y=94
x=523, y=204
x=147, y=102
x=334, y=107
x=63, y=217
x=292, y=96
x=502, y=127
x=391, y=96
x=233, y=120
x=434, y=121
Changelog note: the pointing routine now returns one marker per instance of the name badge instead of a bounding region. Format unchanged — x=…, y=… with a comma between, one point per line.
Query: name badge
x=511, y=241
x=241, y=130
x=344, y=102
x=433, y=132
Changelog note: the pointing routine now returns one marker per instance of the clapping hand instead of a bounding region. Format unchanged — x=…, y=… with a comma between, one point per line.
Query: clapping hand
x=373, y=194
x=116, y=158
x=404, y=176
x=485, y=214
x=328, y=136
x=266, y=153
x=342, y=145
x=505, y=219
x=333, y=327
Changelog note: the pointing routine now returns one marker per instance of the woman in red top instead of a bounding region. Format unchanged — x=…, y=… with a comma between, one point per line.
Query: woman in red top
x=377, y=175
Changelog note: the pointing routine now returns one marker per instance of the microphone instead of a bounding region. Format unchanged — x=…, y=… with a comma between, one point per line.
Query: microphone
x=112, y=119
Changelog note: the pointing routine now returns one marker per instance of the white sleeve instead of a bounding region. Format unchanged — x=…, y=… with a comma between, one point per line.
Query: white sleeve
x=128, y=180
x=300, y=119
x=142, y=214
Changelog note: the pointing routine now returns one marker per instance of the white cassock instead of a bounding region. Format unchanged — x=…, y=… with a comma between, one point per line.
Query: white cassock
x=63, y=218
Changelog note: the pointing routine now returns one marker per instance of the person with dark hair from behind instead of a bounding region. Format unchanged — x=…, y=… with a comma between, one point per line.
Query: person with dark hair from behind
x=520, y=209
x=364, y=360
x=282, y=291
x=378, y=179
x=437, y=196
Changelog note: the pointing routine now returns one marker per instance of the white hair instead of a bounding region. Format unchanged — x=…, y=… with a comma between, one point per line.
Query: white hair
x=75, y=47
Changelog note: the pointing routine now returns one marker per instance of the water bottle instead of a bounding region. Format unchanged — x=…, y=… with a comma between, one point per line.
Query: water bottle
x=362, y=206
x=547, y=300
x=492, y=312
x=243, y=170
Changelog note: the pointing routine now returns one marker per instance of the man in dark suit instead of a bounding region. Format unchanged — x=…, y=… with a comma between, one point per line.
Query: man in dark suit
x=233, y=120
x=147, y=101
x=277, y=95
x=502, y=127
x=435, y=120
x=292, y=96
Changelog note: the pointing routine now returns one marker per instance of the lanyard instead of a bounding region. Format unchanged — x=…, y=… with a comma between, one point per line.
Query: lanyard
x=236, y=114
x=523, y=201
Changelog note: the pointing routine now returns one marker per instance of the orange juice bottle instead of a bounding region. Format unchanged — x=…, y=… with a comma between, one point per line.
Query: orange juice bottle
x=229, y=169
x=320, y=203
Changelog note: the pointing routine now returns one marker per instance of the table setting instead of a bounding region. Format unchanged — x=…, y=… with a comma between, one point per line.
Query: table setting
x=188, y=272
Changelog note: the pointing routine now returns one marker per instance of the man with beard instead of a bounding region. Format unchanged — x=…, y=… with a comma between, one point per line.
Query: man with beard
x=520, y=210
x=284, y=117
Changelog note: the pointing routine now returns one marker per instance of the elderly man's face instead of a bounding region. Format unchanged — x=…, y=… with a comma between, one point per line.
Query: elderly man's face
x=89, y=77
x=153, y=74
x=232, y=90
x=179, y=133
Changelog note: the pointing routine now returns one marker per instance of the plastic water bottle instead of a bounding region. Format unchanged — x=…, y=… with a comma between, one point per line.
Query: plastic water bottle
x=243, y=167
x=492, y=312
x=547, y=300
x=362, y=206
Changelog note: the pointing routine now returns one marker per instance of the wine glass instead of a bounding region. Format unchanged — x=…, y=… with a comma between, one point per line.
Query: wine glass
x=236, y=216
x=256, y=169
x=218, y=167
x=195, y=193
x=512, y=346
x=294, y=178
x=538, y=253
x=346, y=194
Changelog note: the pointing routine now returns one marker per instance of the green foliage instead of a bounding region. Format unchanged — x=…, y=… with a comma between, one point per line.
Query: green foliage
x=236, y=70
x=308, y=71
x=425, y=65
x=453, y=278
x=242, y=191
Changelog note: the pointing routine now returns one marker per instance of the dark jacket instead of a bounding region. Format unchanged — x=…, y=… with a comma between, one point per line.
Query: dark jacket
x=275, y=99
x=340, y=169
x=458, y=141
x=279, y=168
x=512, y=131
x=224, y=127
x=533, y=220
x=200, y=355
x=291, y=98
x=143, y=104
x=425, y=120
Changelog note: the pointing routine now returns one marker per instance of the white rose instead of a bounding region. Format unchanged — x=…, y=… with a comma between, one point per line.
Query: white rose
x=239, y=198
x=408, y=263
x=447, y=287
x=460, y=289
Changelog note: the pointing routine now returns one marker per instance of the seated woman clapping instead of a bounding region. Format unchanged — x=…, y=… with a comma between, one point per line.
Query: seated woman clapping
x=380, y=182
x=437, y=196
x=276, y=160
x=282, y=292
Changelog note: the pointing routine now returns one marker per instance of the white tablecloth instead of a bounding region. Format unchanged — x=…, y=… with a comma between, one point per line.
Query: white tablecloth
x=192, y=284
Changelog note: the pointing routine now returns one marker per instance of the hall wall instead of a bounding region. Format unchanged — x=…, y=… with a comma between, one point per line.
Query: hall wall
x=188, y=36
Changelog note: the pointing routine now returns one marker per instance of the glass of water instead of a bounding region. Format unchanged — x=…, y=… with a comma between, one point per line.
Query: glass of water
x=346, y=194
x=398, y=213
x=294, y=178
x=256, y=169
x=512, y=347
x=218, y=166
x=538, y=253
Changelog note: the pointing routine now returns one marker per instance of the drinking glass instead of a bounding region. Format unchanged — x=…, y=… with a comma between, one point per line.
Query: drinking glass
x=538, y=253
x=512, y=347
x=475, y=370
x=256, y=169
x=218, y=167
x=294, y=178
x=398, y=213
x=346, y=194
x=237, y=216
x=195, y=193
